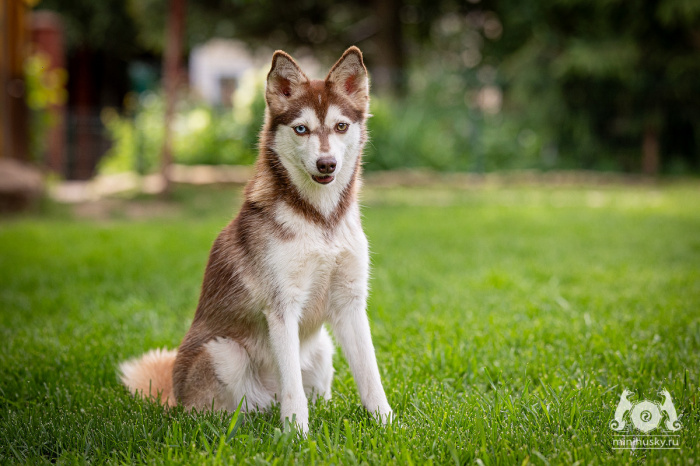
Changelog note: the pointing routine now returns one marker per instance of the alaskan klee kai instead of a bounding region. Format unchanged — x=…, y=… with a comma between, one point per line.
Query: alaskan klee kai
x=294, y=258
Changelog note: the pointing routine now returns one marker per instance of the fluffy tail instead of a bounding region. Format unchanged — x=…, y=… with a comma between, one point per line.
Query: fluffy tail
x=151, y=375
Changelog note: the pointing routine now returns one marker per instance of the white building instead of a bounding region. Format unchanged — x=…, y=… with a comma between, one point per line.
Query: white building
x=216, y=69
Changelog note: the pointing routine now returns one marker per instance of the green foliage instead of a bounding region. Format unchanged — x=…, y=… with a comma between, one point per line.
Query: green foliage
x=322, y=23
x=441, y=129
x=46, y=89
x=603, y=75
x=456, y=115
x=105, y=25
x=506, y=324
x=583, y=83
x=202, y=134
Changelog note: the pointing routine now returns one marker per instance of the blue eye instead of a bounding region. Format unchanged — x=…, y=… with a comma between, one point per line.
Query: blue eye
x=301, y=129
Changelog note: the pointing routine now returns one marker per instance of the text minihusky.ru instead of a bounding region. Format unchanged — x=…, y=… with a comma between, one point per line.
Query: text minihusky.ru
x=629, y=442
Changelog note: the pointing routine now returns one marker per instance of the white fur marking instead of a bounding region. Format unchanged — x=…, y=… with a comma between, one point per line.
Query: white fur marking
x=231, y=364
x=334, y=116
x=299, y=156
x=308, y=118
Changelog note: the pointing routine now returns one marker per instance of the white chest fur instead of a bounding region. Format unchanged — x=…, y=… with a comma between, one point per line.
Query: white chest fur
x=305, y=268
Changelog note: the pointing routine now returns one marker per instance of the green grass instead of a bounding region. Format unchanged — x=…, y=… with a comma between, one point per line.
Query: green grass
x=506, y=322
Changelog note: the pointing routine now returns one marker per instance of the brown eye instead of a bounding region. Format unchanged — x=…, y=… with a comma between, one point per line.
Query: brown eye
x=341, y=127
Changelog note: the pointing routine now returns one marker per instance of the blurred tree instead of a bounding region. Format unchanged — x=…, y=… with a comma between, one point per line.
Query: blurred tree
x=606, y=83
x=13, y=109
x=172, y=63
x=609, y=76
x=324, y=25
x=105, y=25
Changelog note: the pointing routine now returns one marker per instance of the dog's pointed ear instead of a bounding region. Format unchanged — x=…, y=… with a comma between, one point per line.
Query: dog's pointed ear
x=283, y=81
x=349, y=76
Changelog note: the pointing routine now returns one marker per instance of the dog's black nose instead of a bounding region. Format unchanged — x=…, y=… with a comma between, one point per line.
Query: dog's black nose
x=326, y=164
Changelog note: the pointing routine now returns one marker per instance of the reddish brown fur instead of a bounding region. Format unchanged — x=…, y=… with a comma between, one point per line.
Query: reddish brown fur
x=152, y=375
x=227, y=307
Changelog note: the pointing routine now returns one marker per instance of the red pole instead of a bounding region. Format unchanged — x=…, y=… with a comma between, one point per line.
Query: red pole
x=172, y=59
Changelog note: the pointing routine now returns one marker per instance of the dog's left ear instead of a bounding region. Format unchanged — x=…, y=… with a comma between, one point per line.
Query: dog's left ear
x=349, y=76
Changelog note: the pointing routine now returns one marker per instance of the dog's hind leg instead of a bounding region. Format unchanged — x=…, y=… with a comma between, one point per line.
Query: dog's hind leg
x=238, y=376
x=195, y=382
x=317, y=364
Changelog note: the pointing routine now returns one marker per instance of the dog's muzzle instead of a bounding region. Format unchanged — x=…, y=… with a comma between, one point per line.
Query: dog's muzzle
x=326, y=166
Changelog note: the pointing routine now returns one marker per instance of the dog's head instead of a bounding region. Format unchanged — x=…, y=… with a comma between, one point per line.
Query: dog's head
x=317, y=127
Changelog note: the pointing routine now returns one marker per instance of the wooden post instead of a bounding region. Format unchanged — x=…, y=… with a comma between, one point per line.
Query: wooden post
x=650, y=151
x=172, y=58
x=47, y=39
x=13, y=109
x=388, y=75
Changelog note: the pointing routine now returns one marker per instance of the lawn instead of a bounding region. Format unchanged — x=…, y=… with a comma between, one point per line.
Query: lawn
x=507, y=322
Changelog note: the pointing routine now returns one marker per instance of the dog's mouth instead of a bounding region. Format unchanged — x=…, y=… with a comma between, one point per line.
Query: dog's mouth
x=323, y=179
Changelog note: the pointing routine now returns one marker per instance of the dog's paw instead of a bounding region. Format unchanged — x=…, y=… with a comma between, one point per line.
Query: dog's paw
x=384, y=416
x=389, y=418
x=300, y=426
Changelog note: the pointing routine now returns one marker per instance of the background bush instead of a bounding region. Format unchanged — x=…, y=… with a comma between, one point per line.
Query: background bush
x=440, y=131
x=434, y=130
x=202, y=134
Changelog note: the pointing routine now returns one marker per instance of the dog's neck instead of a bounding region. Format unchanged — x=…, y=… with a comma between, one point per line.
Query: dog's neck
x=274, y=182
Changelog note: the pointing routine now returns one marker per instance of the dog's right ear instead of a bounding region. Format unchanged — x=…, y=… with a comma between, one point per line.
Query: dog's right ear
x=283, y=81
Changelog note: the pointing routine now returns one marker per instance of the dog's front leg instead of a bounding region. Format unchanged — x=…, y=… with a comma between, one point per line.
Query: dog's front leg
x=351, y=329
x=284, y=339
x=348, y=319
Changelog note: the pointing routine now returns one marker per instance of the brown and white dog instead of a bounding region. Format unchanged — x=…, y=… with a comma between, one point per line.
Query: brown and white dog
x=294, y=258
